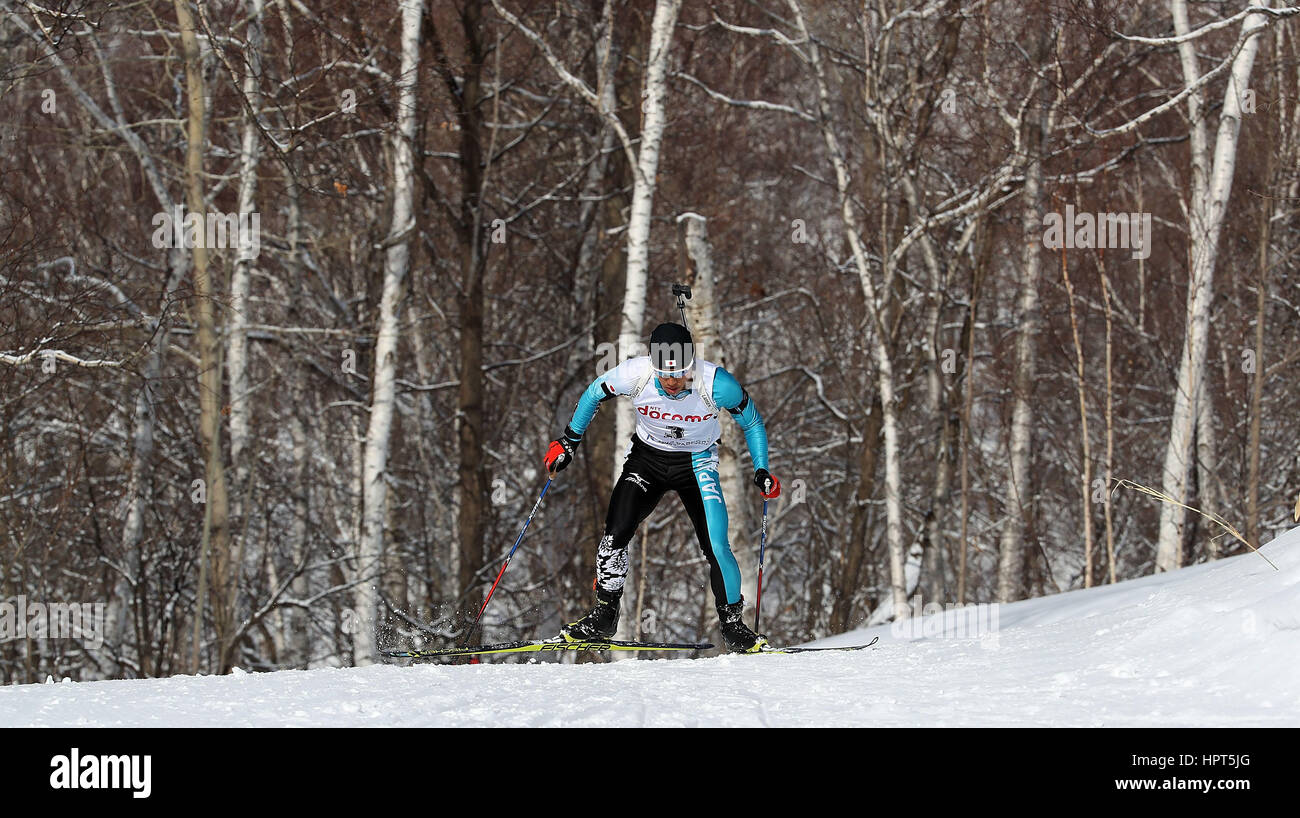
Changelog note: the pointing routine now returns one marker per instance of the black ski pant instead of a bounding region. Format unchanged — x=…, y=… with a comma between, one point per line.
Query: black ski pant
x=648, y=474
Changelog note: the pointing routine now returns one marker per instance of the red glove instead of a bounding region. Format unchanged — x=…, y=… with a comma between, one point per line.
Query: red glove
x=767, y=484
x=560, y=453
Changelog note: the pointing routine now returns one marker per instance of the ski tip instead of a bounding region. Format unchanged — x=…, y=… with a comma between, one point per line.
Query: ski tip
x=841, y=649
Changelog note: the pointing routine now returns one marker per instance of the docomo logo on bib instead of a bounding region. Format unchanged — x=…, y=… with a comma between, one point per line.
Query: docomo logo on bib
x=655, y=414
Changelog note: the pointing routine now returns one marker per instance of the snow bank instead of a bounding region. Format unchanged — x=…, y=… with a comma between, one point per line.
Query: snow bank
x=1216, y=644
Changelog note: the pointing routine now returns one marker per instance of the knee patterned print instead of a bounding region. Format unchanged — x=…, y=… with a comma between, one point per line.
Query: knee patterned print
x=611, y=565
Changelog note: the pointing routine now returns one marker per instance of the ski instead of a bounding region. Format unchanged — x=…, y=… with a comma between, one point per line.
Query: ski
x=545, y=646
x=816, y=650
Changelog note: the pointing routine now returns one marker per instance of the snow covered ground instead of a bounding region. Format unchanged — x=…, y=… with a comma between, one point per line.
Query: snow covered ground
x=1212, y=645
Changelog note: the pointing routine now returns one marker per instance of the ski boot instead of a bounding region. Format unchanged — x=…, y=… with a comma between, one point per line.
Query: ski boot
x=737, y=636
x=601, y=622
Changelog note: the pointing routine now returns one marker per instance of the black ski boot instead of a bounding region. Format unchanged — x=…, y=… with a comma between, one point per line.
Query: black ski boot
x=601, y=622
x=735, y=633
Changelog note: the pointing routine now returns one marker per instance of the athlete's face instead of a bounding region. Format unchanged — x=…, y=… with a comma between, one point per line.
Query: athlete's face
x=674, y=386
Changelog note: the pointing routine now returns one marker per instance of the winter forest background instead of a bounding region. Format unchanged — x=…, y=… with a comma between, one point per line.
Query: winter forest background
x=299, y=449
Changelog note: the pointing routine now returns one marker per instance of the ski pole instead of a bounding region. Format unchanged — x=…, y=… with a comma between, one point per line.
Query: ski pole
x=506, y=564
x=762, y=546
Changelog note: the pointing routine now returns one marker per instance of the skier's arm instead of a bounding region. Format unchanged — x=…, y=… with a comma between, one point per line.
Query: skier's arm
x=620, y=380
x=728, y=394
x=562, y=449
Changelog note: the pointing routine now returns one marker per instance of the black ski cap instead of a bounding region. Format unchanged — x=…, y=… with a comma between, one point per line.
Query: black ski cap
x=671, y=348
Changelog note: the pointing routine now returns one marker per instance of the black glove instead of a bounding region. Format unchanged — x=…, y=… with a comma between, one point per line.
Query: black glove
x=769, y=485
x=560, y=453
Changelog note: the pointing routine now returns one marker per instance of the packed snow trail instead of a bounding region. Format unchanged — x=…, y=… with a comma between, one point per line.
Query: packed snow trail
x=1216, y=644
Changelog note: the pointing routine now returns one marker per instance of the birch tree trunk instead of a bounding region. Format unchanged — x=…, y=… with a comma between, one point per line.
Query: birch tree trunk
x=1110, y=418
x=224, y=571
x=932, y=568
x=1085, y=453
x=983, y=251
x=1011, y=548
x=237, y=342
x=1211, y=186
x=931, y=582
x=1207, y=463
x=706, y=330
x=1257, y=379
x=297, y=621
x=654, y=90
x=880, y=347
x=396, y=263
x=606, y=308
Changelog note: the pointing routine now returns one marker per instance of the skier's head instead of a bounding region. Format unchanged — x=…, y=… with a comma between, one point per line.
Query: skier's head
x=672, y=353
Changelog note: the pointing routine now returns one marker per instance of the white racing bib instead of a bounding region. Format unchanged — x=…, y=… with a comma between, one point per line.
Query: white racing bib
x=687, y=423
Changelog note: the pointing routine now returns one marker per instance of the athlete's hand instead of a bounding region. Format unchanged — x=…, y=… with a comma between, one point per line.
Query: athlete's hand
x=560, y=453
x=767, y=484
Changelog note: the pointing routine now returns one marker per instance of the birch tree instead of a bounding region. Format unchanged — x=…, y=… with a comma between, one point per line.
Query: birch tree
x=216, y=534
x=237, y=343
x=383, y=384
x=1211, y=184
x=653, y=105
x=707, y=334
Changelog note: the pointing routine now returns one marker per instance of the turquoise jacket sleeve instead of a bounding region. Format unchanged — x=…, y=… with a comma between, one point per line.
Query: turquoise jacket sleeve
x=729, y=395
x=592, y=397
